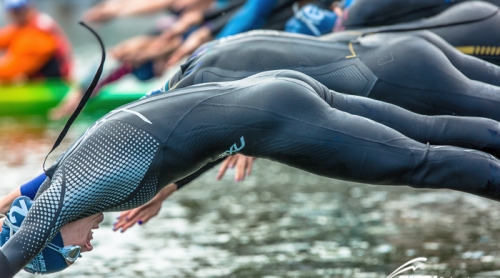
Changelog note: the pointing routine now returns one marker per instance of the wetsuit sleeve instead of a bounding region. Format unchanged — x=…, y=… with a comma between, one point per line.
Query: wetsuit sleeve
x=28, y=55
x=216, y=20
x=181, y=183
x=251, y=16
x=5, y=266
x=216, y=25
x=212, y=14
x=346, y=4
x=30, y=188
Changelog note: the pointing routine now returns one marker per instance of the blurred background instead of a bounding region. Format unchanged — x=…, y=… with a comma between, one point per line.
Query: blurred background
x=279, y=222
x=69, y=13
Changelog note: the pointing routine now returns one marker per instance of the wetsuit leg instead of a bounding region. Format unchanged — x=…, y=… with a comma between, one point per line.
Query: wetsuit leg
x=332, y=143
x=30, y=188
x=185, y=181
x=387, y=12
x=472, y=67
x=289, y=121
x=417, y=75
x=468, y=132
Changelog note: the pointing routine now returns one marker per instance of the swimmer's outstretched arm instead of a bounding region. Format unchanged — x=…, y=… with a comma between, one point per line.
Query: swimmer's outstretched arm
x=128, y=218
x=142, y=214
x=243, y=167
x=28, y=189
x=7, y=200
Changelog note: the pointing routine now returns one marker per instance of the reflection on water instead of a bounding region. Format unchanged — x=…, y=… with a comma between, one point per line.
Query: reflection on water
x=24, y=143
x=281, y=222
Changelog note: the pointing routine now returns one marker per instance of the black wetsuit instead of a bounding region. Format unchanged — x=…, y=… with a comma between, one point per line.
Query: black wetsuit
x=471, y=27
x=417, y=70
x=125, y=158
x=365, y=13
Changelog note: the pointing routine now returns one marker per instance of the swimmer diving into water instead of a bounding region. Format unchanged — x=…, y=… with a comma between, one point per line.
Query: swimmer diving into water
x=125, y=158
x=435, y=79
x=418, y=70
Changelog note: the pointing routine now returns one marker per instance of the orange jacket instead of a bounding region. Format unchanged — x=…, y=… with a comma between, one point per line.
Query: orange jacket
x=30, y=47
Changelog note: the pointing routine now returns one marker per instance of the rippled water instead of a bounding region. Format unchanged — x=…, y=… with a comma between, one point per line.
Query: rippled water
x=280, y=222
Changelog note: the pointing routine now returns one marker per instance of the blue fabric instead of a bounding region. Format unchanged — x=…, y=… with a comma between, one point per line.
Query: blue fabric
x=189, y=32
x=145, y=71
x=15, y=4
x=321, y=20
x=221, y=4
x=30, y=188
x=348, y=3
x=251, y=16
x=48, y=261
x=293, y=25
x=154, y=92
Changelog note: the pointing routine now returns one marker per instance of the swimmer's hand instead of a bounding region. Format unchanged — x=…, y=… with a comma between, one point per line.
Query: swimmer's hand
x=142, y=214
x=103, y=12
x=193, y=41
x=243, y=167
x=67, y=106
x=127, y=50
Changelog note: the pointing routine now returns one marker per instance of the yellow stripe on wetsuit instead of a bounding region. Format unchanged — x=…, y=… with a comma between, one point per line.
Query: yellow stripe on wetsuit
x=353, y=54
x=479, y=50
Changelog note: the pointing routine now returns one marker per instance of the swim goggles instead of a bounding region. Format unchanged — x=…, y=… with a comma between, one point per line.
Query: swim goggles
x=70, y=252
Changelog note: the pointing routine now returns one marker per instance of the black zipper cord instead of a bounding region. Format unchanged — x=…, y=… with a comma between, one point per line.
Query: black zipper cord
x=82, y=103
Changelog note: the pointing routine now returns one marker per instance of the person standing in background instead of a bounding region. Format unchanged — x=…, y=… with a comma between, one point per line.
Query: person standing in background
x=34, y=45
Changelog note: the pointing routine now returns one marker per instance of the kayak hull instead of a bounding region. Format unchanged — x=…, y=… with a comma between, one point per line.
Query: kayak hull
x=38, y=98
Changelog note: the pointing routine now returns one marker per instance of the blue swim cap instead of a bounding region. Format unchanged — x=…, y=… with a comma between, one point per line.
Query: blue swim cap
x=311, y=20
x=49, y=260
x=15, y=4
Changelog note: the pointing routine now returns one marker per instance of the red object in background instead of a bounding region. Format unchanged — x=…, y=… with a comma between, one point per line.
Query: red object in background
x=29, y=48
